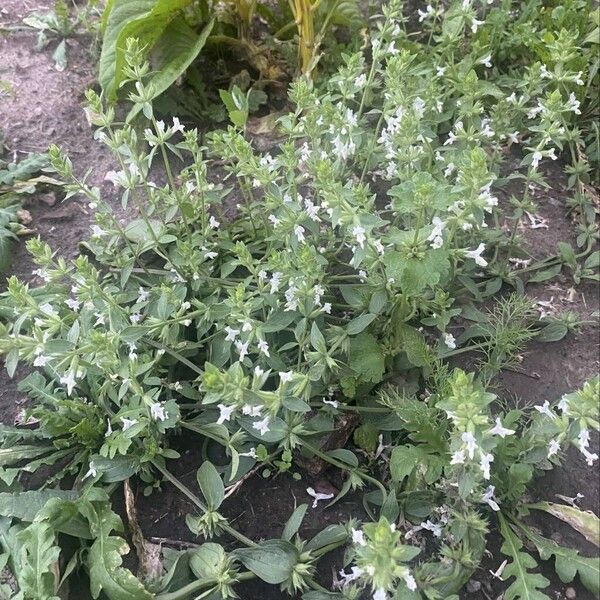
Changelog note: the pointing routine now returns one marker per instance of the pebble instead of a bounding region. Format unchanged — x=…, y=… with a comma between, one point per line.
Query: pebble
x=473, y=586
x=49, y=198
x=570, y=593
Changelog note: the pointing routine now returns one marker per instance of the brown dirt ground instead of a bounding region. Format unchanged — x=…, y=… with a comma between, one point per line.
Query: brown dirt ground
x=47, y=108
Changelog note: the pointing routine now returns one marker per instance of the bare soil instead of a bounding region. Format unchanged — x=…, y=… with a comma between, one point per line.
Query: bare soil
x=47, y=108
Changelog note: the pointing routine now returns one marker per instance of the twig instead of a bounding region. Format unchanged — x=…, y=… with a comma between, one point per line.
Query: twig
x=174, y=543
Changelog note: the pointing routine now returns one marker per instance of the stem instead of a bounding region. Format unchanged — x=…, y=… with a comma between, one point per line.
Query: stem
x=187, y=492
x=340, y=465
x=190, y=588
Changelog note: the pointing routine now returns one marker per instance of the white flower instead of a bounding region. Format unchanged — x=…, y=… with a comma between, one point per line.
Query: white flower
x=286, y=376
x=360, y=81
x=135, y=317
x=326, y=308
x=573, y=104
x=553, y=448
x=488, y=498
x=475, y=24
x=589, y=457
x=158, y=412
x=469, y=439
x=109, y=428
x=563, y=406
x=225, y=413
x=91, y=471
x=439, y=71
x=253, y=411
x=41, y=361
x=411, y=584
x=73, y=304
x=177, y=126
x=231, y=334
x=128, y=423
x=318, y=496
x=458, y=457
x=487, y=61
x=263, y=425
x=380, y=594
x=535, y=159
x=435, y=528
x=449, y=341
x=544, y=409
x=242, y=348
x=275, y=282
x=68, y=380
x=213, y=223
x=359, y=233
x=485, y=460
x=333, y=403
x=436, y=235
x=476, y=255
x=299, y=233
x=143, y=295
x=48, y=309
x=500, y=430
x=347, y=578
x=263, y=347
x=358, y=537
x=583, y=439
x=379, y=247
x=274, y=220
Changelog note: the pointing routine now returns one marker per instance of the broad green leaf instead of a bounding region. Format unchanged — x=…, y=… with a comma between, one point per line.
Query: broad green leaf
x=272, y=561
x=366, y=437
x=360, y=323
x=35, y=565
x=173, y=54
x=205, y=561
x=526, y=585
x=413, y=343
x=366, y=358
x=9, y=456
x=553, y=331
x=104, y=558
x=211, y=485
x=583, y=521
x=403, y=461
x=145, y=20
x=568, y=563
x=26, y=506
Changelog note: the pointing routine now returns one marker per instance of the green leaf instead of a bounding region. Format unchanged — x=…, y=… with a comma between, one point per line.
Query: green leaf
x=293, y=523
x=145, y=20
x=205, y=561
x=404, y=460
x=211, y=485
x=366, y=437
x=583, y=521
x=553, y=331
x=104, y=558
x=413, y=343
x=38, y=555
x=366, y=358
x=272, y=561
x=360, y=323
x=526, y=585
x=568, y=563
x=25, y=506
x=173, y=54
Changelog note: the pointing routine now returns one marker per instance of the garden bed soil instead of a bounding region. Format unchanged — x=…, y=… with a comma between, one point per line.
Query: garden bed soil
x=46, y=107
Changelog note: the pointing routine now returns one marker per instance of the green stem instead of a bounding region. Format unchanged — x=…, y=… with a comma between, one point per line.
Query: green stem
x=187, y=492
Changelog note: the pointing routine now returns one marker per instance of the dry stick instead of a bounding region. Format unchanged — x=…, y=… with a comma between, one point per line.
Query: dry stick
x=174, y=543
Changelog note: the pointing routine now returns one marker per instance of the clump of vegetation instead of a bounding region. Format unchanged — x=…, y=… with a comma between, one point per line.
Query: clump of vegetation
x=252, y=310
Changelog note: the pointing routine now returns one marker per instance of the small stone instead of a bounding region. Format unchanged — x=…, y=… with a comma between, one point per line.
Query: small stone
x=49, y=198
x=24, y=216
x=473, y=586
x=570, y=593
